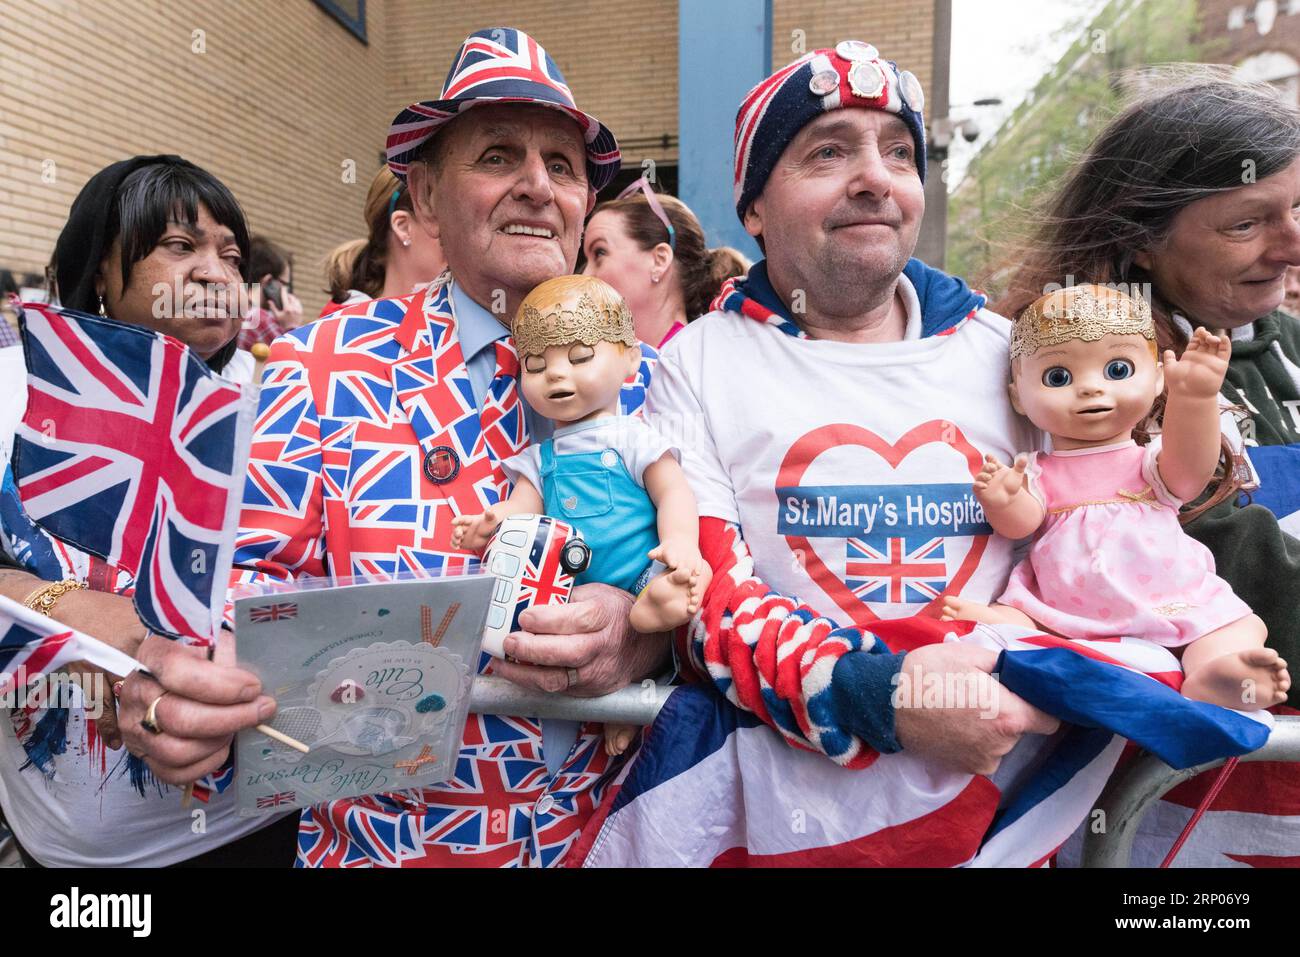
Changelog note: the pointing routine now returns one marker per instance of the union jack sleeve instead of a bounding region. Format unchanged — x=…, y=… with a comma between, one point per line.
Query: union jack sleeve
x=770, y=654
x=281, y=530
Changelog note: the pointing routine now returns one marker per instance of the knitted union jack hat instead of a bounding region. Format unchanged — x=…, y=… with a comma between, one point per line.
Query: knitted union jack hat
x=773, y=113
x=500, y=65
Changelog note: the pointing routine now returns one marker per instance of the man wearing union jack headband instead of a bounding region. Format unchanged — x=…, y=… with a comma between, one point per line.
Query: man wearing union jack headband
x=858, y=502
x=382, y=422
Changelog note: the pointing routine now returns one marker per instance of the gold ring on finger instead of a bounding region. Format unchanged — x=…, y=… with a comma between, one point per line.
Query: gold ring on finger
x=150, y=720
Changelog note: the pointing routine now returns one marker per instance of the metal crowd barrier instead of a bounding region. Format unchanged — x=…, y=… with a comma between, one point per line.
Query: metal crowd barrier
x=1130, y=794
x=1125, y=800
x=635, y=704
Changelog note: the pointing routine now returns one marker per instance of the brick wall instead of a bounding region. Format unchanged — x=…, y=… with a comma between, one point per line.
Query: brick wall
x=283, y=95
x=620, y=56
x=1225, y=45
x=902, y=30
x=280, y=98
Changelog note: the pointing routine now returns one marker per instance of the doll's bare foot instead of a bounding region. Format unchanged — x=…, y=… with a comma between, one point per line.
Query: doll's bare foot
x=665, y=603
x=618, y=737
x=1249, y=680
x=956, y=608
x=699, y=584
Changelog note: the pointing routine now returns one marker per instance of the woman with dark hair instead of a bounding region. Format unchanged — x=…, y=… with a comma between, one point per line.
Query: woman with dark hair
x=1192, y=194
x=157, y=242
x=650, y=247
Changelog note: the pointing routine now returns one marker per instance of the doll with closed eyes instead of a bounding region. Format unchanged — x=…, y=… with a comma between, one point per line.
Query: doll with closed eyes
x=613, y=477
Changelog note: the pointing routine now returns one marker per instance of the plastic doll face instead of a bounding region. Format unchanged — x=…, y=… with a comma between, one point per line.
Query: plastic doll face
x=1088, y=393
x=568, y=383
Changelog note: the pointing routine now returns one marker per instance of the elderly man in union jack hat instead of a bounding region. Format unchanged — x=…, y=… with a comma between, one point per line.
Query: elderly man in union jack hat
x=383, y=421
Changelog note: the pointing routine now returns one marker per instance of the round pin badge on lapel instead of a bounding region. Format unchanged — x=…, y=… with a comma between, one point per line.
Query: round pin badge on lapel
x=441, y=464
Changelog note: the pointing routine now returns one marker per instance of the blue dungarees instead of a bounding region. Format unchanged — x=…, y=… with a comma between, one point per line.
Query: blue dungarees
x=594, y=492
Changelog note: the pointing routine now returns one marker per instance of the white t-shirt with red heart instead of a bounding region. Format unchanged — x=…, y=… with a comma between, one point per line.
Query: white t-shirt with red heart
x=848, y=466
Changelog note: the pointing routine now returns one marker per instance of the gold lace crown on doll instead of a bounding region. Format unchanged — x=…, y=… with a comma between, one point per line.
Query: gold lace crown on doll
x=588, y=322
x=1086, y=313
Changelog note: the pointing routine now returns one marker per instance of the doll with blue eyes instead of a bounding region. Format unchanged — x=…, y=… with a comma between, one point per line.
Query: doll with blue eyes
x=1109, y=557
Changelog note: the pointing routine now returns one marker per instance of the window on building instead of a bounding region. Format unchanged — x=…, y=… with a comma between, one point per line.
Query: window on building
x=350, y=13
x=1279, y=69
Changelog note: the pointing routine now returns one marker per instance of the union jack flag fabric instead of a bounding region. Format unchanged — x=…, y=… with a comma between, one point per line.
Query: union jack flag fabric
x=278, y=611
x=350, y=407
x=1253, y=822
x=504, y=65
x=276, y=800
x=752, y=296
x=215, y=783
x=52, y=560
x=500, y=809
x=892, y=572
x=713, y=786
x=133, y=450
x=544, y=581
x=32, y=645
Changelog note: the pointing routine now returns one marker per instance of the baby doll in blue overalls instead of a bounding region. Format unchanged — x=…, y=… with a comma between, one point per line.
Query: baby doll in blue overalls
x=613, y=477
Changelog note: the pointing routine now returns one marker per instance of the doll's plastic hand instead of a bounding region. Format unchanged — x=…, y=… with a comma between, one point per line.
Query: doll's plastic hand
x=1199, y=373
x=996, y=484
x=471, y=532
x=678, y=555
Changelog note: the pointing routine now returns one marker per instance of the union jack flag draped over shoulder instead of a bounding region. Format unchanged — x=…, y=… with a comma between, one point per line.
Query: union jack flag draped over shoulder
x=714, y=786
x=133, y=450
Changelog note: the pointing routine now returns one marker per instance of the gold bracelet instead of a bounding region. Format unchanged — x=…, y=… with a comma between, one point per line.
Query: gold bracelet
x=44, y=598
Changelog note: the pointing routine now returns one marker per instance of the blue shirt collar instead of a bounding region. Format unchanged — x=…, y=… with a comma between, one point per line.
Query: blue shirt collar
x=944, y=300
x=476, y=328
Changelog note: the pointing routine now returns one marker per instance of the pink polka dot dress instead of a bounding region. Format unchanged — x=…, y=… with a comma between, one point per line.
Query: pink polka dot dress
x=1110, y=557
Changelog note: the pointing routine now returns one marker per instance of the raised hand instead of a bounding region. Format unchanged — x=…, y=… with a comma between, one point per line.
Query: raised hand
x=1199, y=373
x=996, y=485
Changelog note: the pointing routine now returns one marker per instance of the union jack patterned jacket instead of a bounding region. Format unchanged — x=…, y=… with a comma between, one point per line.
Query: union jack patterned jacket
x=350, y=407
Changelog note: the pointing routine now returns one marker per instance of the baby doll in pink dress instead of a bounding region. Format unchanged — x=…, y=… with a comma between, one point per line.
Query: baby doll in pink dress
x=1110, y=557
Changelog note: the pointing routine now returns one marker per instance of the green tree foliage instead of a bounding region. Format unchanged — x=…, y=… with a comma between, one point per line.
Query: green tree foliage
x=992, y=208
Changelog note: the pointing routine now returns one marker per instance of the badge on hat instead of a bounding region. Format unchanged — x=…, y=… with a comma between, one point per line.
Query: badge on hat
x=827, y=81
x=910, y=87
x=857, y=50
x=867, y=79
x=441, y=464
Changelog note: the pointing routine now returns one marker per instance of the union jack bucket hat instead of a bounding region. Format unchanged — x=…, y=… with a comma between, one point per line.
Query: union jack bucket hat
x=500, y=65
